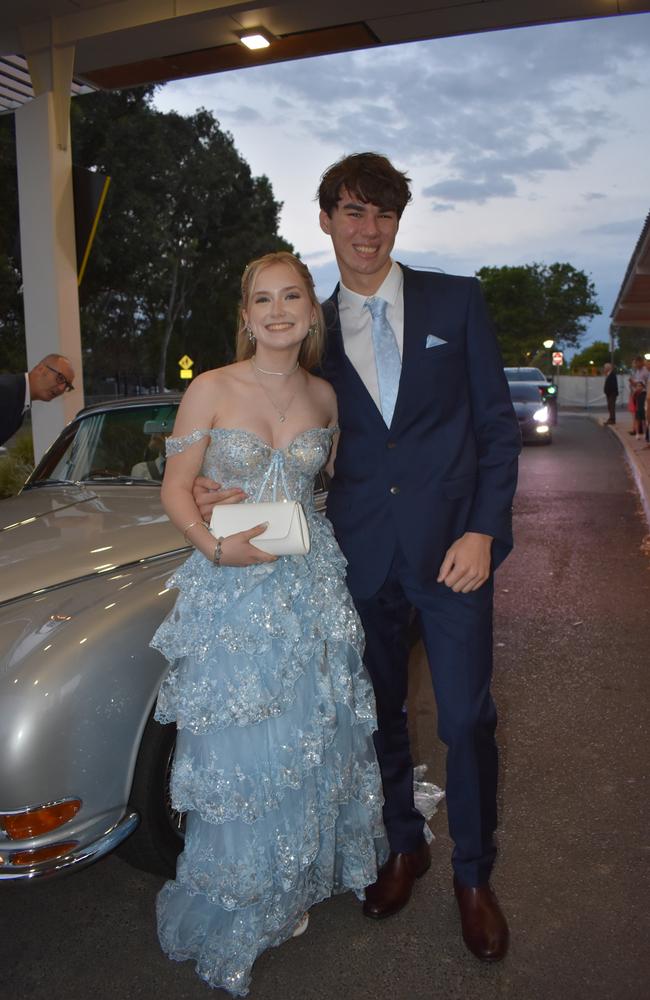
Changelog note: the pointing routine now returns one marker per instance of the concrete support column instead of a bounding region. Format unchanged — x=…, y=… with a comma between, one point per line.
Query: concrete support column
x=47, y=237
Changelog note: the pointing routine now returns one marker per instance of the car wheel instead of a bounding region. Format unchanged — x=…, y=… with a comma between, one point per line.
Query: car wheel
x=158, y=840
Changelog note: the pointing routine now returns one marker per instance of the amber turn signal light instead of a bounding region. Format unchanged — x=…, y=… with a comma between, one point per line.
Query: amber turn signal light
x=24, y=858
x=42, y=819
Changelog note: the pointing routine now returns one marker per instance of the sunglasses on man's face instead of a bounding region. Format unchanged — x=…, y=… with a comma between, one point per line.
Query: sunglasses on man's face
x=61, y=379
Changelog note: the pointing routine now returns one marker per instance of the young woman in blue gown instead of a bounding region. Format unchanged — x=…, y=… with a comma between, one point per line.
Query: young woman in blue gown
x=274, y=765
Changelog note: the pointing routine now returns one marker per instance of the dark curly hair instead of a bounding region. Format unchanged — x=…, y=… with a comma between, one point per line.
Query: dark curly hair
x=370, y=177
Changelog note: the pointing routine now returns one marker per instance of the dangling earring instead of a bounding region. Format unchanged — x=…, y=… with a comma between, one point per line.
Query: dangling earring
x=251, y=336
x=313, y=329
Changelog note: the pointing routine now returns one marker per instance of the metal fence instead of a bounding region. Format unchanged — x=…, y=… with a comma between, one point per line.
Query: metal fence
x=586, y=391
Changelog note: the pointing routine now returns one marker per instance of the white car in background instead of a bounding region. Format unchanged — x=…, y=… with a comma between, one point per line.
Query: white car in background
x=547, y=390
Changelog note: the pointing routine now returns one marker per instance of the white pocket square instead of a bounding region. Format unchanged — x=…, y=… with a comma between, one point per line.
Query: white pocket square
x=434, y=341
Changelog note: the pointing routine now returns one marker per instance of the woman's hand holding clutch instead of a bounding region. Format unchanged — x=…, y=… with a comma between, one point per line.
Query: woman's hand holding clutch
x=236, y=550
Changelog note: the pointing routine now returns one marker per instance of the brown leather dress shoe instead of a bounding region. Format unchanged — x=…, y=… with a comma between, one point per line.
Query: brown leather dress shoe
x=485, y=930
x=395, y=880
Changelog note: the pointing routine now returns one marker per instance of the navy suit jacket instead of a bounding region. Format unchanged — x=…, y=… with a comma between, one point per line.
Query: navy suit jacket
x=12, y=404
x=448, y=462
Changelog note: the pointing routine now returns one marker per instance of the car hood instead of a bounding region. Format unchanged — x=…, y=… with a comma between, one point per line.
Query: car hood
x=53, y=534
x=526, y=409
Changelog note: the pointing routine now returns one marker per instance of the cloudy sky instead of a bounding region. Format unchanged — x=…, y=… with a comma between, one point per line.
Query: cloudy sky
x=523, y=145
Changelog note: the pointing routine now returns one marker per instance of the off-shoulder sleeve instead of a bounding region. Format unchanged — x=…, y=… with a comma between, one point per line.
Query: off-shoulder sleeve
x=175, y=445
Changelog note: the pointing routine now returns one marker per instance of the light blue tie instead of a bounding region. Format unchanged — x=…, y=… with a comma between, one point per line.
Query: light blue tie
x=387, y=358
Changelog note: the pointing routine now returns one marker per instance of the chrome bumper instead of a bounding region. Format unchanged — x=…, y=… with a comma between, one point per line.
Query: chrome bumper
x=79, y=857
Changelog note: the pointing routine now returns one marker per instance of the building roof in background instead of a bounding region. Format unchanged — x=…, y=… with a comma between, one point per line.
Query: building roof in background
x=632, y=306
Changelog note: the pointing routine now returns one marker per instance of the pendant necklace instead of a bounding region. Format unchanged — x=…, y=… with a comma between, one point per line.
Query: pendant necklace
x=281, y=412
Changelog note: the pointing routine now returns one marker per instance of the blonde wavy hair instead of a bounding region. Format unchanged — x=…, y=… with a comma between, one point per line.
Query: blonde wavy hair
x=311, y=349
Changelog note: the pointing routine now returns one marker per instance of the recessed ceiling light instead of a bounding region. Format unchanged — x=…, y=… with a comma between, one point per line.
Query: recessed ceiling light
x=255, y=38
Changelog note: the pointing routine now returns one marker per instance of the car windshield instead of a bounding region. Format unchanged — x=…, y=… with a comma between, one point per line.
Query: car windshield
x=521, y=393
x=525, y=375
x=127, y=443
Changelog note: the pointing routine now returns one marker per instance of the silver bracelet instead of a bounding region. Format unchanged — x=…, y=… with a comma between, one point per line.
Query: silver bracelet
x=216, y=558
x=192, y=524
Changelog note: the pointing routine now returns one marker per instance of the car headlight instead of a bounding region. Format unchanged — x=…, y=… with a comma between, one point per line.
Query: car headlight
x=541, y=415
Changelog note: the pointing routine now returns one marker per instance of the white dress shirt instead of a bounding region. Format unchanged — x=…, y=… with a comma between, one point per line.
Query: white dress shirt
x=640, y=375
x=356, y=326
x=28, y=398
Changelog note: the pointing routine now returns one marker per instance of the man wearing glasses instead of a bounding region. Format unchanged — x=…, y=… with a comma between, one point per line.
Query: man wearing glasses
x=47, y=380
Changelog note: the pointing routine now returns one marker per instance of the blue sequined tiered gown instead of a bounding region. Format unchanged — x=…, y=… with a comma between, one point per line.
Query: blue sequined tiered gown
x=275, y=764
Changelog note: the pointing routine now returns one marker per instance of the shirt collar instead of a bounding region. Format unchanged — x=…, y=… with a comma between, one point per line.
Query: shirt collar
x=389, y=290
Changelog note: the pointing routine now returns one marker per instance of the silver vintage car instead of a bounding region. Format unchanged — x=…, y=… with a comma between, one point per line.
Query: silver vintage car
x=85, y=551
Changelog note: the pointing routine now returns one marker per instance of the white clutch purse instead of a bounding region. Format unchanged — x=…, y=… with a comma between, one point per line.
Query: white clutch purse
x=286, y=535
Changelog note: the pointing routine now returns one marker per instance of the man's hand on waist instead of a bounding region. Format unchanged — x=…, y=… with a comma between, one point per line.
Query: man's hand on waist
x=207, y=493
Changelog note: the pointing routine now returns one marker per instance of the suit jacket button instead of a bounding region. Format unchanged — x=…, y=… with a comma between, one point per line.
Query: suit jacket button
x=394, y=490
x=391, y=444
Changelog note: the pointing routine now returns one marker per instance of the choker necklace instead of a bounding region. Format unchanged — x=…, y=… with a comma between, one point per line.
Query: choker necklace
x=263, y=371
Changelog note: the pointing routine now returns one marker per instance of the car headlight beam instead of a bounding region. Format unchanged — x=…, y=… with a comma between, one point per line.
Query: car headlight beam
x=541, y=415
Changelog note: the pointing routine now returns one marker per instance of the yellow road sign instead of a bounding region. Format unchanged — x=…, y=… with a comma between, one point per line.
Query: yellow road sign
x=185, y=373
x=186, y=362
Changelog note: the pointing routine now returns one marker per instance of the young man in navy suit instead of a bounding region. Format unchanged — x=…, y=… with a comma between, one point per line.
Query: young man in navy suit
x=421, y=504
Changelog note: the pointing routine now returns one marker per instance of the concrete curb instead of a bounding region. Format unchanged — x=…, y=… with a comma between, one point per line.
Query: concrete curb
x=637, y=454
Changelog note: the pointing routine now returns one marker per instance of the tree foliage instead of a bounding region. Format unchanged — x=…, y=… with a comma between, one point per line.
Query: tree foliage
x=17, y=464
x=531, y=303
x=593, y=356
x=633, y=341
x=182, y=218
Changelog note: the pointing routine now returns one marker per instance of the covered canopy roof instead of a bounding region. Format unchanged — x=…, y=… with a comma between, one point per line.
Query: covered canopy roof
x=632, y=306
x=121, y=44
x=16, y=83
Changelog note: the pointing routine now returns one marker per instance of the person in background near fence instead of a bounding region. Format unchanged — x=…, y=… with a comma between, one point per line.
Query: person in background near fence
x=610, y=389
x=637, y=406
x=638, y=382
x=47, y=380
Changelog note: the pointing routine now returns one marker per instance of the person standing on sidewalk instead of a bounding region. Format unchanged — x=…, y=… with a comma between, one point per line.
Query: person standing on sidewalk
x=610, y=389
x=638, y=382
